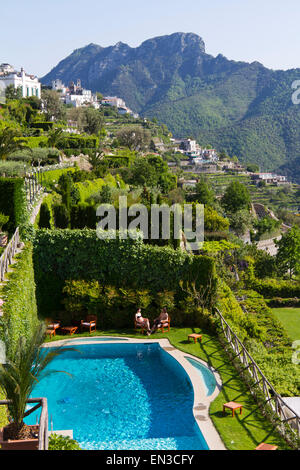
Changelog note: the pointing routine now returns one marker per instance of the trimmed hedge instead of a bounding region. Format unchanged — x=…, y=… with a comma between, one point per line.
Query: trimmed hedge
x=46, y=126
x=19, y=308
x=51, y=177
x=89, y=187
x=77, y=142
x=13, y=202
x=279, y=302
x=61, y=255
x=270, y=288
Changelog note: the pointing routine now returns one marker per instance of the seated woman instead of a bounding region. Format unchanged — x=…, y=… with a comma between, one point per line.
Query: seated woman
x=142, y=322
x=163, y=317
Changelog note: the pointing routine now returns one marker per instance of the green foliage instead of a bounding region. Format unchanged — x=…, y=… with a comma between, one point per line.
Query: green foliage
x=12, y=93
x=134, y=137
x=3, y=220
x=213, y=222
x=122, y=263
x=61, y=216
x=236, y=197
x=204, y=194
x=51, y=177
x=20, y=312
x=288, y=255
x=36, y=155
x=10, y=142
x=13, y=202
x=45, y=126
x=57, y=442
x=265, y=225
x=263, y=335
x=77, y=142
x=83, y=215
x=53, y=106
x=45, y=216
x=12, y=169
x=270, y=288
x=240, y=221
x=88, y=188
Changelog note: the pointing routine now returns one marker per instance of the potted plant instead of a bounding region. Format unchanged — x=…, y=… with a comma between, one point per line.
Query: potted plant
x=3, y=236
x=24, y=366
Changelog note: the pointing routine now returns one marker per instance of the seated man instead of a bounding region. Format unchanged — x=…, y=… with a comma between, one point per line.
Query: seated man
x=142, y=322
x=163, y=317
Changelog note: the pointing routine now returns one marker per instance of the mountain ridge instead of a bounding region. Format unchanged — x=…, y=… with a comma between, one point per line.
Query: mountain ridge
x=242, y=108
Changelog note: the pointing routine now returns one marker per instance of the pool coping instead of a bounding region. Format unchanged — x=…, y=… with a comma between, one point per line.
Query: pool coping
x=201, y=400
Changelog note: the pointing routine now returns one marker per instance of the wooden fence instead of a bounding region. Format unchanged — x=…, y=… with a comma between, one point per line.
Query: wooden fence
x=43, y=423
x=286, y=414
x=9, y=253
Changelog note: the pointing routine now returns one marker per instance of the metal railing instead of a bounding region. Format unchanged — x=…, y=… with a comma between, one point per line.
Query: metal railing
x=286, y=414
x=43, y=423
x=9, y=253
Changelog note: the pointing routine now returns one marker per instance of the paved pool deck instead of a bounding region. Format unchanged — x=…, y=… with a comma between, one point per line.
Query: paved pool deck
x=201, y=400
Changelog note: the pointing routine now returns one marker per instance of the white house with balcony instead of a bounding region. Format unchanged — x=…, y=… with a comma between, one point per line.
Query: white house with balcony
x=29, y=84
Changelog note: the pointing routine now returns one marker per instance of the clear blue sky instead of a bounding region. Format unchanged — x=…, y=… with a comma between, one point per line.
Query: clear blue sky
x=37, y=34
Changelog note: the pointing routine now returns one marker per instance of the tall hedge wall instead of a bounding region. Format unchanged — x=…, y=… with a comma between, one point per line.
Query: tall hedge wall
x=19, y=308
x=61, y=255
x=13, y=202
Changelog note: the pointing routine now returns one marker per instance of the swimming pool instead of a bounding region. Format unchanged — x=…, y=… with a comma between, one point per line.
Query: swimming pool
x=207, y=376
x=122, y=396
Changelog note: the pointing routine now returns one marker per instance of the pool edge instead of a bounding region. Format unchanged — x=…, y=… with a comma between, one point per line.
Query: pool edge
x=201, y=401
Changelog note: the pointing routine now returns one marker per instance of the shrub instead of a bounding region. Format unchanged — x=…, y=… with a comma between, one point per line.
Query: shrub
x=45, y=216
x=83, y=215
x=13, y=202
x=77, y=142
x=57, y=442
x=19, y=308
x=270, y=288
x=61, y=216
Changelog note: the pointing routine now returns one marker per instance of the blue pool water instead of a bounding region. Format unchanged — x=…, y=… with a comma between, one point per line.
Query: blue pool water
x=122, y=396
x=207, y=376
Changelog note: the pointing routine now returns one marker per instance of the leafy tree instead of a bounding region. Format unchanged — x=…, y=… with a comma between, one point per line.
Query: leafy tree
x=204, y=194
x=236, y=197
x=264, y=265
x=252, y=168
x=288, y=255
x=53, y=106
x=213, y=222
x=106, y=194
x=12, y=93
x=10, y=142
x=240, y=221
x=134, y=137
x=93, y=121
x=143, y=173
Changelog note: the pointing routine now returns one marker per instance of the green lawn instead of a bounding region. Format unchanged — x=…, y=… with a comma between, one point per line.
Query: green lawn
x=241, y=432
x=290, y=319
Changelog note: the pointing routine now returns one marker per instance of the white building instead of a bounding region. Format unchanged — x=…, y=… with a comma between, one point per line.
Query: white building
x=113, y=101
x=29, y=84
